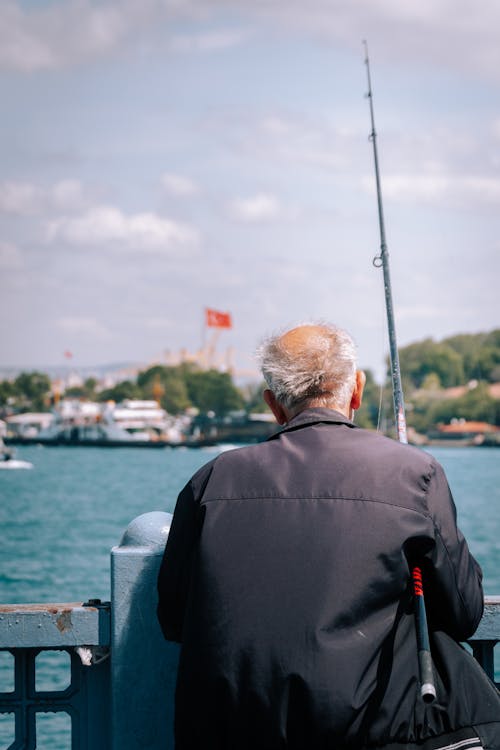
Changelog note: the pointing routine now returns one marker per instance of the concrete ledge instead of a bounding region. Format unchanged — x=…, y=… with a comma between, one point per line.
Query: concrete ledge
x=54, y=625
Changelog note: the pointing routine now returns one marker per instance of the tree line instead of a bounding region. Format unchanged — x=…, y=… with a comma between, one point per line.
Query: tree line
x=428, y=369
x=175, y=388
x=453, y=361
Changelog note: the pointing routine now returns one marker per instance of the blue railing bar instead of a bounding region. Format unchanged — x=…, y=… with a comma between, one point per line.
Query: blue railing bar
x=63, y=625
x=54, y=625
x=489, y=627
x=85, y=701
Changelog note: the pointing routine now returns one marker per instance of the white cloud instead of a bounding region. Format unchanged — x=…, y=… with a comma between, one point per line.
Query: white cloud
x=495, y=129
x=452, y=33
x=447, y=189
x=19, y=198
x=261, y=207
x=455, y=34
x=420, y=312
x=74, y=31
x=10, y=257
x=67, y=194
x=82, y=325
x=159, y=323
x=58, y=34
x=297, y=140
x=27, y=199
x=179, y=185
x=208, y=41
x=105, y=224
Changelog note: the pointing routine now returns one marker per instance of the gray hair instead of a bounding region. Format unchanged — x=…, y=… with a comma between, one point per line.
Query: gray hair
x=322, y=371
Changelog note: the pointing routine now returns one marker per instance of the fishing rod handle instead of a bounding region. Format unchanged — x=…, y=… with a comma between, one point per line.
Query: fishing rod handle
x=427, y=686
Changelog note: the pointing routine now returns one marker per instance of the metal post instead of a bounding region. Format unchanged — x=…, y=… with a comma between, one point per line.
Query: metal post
x=143, y=665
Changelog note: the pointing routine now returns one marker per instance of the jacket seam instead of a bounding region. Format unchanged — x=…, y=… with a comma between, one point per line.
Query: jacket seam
x=220, y=498
x=445, y=547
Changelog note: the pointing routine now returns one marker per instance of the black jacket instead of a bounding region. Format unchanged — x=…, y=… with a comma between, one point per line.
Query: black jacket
x=286, y=579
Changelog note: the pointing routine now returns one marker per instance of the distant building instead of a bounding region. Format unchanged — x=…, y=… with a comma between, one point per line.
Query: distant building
x=28, y=425
x=460, y=430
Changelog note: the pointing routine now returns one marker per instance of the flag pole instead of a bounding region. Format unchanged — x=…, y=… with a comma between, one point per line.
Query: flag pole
x=204, y=329
x=427, y=687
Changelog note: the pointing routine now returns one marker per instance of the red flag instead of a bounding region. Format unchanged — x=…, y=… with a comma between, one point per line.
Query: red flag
x=68, y=355
x=216, y=319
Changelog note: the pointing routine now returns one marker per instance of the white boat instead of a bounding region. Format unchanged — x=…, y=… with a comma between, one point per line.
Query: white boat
x=14, y=463
x=132, y=422
x=8, y=460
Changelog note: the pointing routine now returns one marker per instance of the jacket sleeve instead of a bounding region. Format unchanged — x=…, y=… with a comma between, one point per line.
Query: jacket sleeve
x=175, y=569
x=453, y=588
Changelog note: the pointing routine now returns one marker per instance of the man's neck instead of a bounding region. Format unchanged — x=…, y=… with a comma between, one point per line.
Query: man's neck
x=316, y=404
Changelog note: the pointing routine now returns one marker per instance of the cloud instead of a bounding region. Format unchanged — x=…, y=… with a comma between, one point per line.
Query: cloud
x=19, y=198
x=160, y=323
x=457, y=190
x=28, y=199
x=82, y=325
x=211, y=41
x=452, y=33
x=60, y=34
x=421, y=311
x=320, y=144
x=257, y=208
x=179, y=185
x=10, y=257
x=107, y=224
x=49, y=37
x=495, y=130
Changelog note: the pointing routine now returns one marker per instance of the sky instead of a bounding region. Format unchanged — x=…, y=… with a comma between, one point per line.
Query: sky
x=158, y=157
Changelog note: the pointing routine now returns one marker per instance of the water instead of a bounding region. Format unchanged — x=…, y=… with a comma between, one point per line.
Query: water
x=60, y=520
x=474, y=478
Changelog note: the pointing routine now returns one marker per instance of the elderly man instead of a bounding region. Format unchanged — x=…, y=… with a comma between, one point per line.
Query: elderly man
x=286, y=578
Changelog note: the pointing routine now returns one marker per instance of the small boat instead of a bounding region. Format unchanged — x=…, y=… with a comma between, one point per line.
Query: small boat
x=14, y=463
x=8, y=460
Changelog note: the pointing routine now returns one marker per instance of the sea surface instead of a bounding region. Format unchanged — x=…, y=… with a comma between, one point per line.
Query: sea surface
x=60, y=520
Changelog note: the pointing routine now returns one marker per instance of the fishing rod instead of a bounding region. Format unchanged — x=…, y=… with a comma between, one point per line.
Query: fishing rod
x=427, y=687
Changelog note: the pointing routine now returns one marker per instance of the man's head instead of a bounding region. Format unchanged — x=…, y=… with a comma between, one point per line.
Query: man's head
x=311, y=365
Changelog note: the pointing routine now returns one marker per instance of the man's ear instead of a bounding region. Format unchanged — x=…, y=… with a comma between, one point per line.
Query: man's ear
x=357, y=394
x=280, y=414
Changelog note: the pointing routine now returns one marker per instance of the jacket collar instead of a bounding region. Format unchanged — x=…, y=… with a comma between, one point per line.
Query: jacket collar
x=315, y=415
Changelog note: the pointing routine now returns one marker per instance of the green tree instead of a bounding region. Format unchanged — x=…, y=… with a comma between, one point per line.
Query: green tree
x=211, y=390
x=368, y=414
x=166, y=385
x=32, y=390
x=480, y=354
x=175, y=398
x=467, y=345
x=487, y=363
x=254, y=400
x=120, y=392
x=475, y=405
x=86, y=391
x=7, y=392
x=425, y=357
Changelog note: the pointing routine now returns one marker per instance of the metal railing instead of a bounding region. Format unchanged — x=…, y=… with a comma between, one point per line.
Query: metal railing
x=120, y=672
